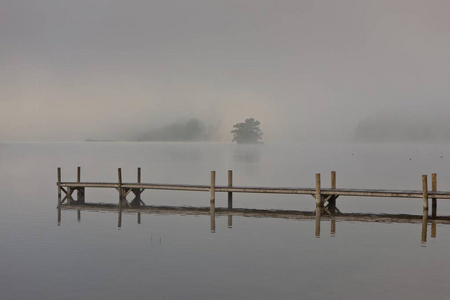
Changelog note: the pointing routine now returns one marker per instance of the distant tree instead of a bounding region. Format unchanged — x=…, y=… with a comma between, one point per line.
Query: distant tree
x=247, y=132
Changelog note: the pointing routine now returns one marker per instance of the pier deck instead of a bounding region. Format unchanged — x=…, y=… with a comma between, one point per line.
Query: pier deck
x=268, y=190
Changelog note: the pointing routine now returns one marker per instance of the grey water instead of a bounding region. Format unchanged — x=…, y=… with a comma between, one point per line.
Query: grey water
x=178, y=256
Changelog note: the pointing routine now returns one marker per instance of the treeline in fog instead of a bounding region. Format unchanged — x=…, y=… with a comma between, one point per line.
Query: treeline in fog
x=193, y=130
x=403, y=129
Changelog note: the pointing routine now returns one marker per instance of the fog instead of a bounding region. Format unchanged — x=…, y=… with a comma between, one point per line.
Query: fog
x=307, y=70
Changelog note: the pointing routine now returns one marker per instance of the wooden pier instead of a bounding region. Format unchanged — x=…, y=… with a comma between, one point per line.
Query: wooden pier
x=325, y=198
x=322, y=196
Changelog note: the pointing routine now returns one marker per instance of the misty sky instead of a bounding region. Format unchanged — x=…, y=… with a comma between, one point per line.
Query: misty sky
x=307, y=69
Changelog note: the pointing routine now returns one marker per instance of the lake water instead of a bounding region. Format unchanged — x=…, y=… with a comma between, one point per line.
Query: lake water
x=178, y=257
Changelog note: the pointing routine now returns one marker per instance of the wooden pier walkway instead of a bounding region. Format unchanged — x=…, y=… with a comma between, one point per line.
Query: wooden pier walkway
x=322, y=196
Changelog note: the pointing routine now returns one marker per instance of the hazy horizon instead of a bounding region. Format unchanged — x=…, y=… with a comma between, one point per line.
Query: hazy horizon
x=307, y=70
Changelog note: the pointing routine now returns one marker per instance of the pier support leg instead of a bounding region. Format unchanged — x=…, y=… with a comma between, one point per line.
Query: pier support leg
x=332, y=201
x=121, y=195
x=319, y=205
x=59, y=195
x=80, y=195
x=433, y=200
x=80, y=190
x=137, y=192
x=230, y=194
x=319, y=202
x=425, y=191
x=69, y=195
x=212, y=201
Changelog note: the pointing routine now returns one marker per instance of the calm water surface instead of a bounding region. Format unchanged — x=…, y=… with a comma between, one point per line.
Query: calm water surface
x=178, y=257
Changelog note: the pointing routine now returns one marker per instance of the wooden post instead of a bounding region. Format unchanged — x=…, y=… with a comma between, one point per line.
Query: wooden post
x=137, y=192
x=425, y=191
x=69, y=195
x=332, y=201
x=78, y=215
x=59, y=196
x=119, y=175
x=59, y=188
x=212, y=201
x=230, y=221
x=318, y=195
x=433, y=200
x=139, y=218
x=230, y=194
x=80, y=190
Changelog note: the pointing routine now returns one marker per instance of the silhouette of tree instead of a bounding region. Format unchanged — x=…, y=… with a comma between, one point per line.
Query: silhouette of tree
x=247, y=132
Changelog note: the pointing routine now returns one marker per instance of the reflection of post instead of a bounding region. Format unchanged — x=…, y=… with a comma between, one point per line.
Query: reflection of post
x=119, y=222
x=318, y=212
x=213, y=222
x=139, y=218
x=333, y=227
x=424, y=226
x=230, y=184
x=433, y=229
x=119, y=175
x=425, y=191
x=230, y=221
x=59, y=196
x=78, y=215
x=433, y=200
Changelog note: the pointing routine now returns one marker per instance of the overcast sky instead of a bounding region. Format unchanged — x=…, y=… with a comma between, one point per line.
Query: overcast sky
x=307, y=69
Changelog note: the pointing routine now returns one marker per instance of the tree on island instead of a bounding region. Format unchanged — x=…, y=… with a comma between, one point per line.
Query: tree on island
x=247, y=132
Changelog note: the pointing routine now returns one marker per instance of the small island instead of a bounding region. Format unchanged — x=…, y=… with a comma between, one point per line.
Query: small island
x=247, y=132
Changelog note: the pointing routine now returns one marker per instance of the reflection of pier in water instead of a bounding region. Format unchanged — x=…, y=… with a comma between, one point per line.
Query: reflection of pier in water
x=320, y=215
